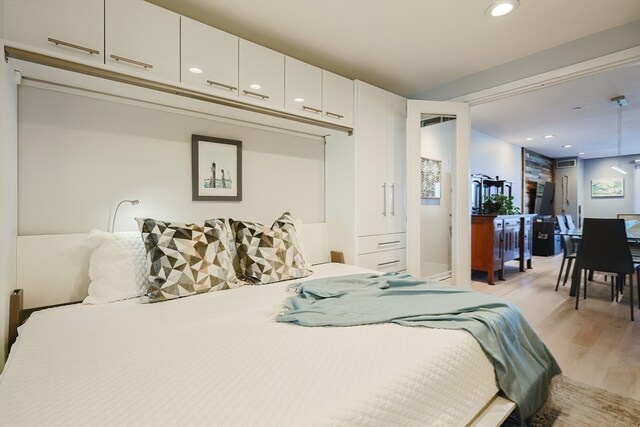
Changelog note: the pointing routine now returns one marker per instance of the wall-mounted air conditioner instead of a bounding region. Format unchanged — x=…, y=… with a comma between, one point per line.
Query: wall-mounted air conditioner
x=570, y=163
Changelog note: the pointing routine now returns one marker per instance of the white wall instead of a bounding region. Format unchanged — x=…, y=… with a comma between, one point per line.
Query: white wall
x=8, y=197
x=1, y=18
x=340, y=189
x=494, y=157
x=79, y=156
x=573, y=198
x=608, y=207
x=435, y=240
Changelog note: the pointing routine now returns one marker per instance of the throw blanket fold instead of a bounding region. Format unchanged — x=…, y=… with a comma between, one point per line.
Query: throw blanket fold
x=523, y=364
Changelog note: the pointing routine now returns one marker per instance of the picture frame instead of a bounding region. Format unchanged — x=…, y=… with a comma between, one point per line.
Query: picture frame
x=216, y=169
x=607, y=187
x=430, y=178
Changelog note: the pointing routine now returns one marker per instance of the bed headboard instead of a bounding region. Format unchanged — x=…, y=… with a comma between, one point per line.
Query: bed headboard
x=54, y=269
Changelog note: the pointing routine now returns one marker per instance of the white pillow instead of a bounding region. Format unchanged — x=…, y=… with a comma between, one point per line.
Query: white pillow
x=116, y=267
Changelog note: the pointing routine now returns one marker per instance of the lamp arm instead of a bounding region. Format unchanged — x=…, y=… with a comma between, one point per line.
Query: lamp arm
x=113, y=223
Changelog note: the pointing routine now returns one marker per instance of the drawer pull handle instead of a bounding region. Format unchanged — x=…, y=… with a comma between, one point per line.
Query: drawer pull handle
x=73, y=46
x=131, y=61
x=383, y=264
x=222, y=85
x=313, y=110
x=334, y=115
x=389, y=243
x=259, y=95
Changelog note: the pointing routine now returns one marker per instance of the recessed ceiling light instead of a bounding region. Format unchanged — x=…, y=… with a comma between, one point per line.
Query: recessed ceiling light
x=195, y=70
x=502, y=7
x=255, y=86
x=529, y=139
x=298, y=99
x=567, y=146
x=549, y=136
x=581, y=153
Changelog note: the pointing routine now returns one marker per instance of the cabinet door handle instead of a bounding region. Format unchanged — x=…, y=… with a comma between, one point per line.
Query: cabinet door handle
x=393, y=199
x=222, y=85
x=313, y=110
x=73, y=46
x=131, y=61
x=383, y=264
x=259, y=95
x=395, y=242
x=384, y=199
x=334, y=115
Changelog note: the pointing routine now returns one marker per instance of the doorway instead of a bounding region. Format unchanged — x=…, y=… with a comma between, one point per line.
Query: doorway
x=438, y=225
x=437, y=139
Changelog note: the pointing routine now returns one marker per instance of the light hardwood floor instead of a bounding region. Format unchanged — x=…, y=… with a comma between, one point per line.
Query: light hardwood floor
x=596, y=345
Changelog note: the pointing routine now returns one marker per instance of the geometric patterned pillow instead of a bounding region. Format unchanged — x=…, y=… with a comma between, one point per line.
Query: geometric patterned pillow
x=186, y=259
x=269, y=254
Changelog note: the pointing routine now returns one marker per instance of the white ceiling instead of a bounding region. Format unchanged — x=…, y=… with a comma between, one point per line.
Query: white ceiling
x=409, y=46
x=592, y=129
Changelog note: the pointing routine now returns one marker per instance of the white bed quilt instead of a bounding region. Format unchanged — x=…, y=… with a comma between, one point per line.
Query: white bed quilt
x=220, y=359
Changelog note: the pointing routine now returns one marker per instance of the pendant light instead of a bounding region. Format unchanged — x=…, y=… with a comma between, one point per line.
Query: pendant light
x=621, y=101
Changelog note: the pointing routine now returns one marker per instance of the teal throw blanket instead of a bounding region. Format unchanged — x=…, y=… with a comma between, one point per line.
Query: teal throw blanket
x=523, y=364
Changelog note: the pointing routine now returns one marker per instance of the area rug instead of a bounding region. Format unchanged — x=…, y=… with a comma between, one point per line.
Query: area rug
x=574, y=404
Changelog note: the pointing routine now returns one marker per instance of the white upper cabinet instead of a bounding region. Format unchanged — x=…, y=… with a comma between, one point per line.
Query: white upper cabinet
x=396, y=162
x=337, y=98
x=142, y=38
x=68, y=27
x=380, y=161
x=261, y=75
x=303, y=88
x=371, y=161
x=209, y=58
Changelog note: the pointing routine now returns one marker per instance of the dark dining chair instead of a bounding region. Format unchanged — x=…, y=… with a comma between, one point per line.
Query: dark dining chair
x=562, y=226
x=604, y=248
x=568, y=253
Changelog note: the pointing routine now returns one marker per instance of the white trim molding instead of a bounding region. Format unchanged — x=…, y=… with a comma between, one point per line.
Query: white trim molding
x=561, y=75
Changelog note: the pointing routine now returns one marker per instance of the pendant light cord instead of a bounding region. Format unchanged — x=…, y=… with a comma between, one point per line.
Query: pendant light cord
x=619, y=133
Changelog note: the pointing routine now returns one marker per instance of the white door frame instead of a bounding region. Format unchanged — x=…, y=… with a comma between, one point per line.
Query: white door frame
x=460, y=207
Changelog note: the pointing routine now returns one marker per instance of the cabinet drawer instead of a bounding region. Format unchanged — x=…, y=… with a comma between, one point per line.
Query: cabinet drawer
x=303, y=88
x=209, y=58
x=261, y=75
x=65, y=27
x=337, y=98
x=142, y=38
x=382, y=242
x=385, y=261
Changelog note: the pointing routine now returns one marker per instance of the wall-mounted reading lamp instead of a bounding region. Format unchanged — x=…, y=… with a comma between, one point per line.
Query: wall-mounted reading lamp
x=113, y=223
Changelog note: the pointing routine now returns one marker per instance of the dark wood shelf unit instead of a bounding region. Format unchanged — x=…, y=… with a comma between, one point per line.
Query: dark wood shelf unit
x=499, y=239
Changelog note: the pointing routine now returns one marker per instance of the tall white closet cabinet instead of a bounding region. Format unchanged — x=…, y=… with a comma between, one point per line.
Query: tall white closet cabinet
x=368, y=221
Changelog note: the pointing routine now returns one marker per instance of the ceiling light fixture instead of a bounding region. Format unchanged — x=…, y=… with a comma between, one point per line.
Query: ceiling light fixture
x=195, y=70
x=620, y=101
x=581, y=153
x=549, y=136
x=298, y=99
x=529, y=139
x=567, y=146
x=255, y=86
x=502, y=7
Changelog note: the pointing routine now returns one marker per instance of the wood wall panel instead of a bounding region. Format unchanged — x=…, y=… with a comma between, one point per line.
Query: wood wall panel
x=536, y=169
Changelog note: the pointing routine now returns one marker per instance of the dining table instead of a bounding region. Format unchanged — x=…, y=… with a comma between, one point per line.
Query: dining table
x=633, y=239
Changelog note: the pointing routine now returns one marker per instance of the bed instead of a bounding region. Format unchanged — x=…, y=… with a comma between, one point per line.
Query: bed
x=220, y=358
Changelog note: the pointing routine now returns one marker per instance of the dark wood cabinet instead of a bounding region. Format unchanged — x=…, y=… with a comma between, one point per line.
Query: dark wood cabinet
x=498, y=239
